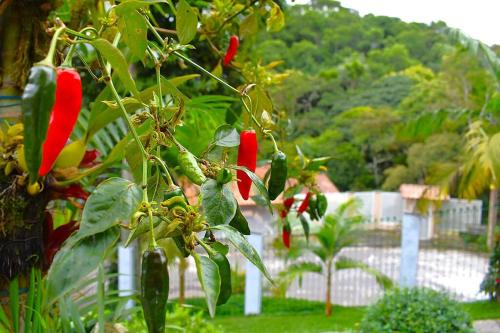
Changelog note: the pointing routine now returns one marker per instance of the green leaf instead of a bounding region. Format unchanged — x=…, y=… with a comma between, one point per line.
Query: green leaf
x=259, y=185
x=220, y=247
x=134, y=163
x=209, y=277
x=14, y=302
x=114, y=200
x=347, y=263
x=249, y=26
x=186, y=22
x=126, y=6
x=37, y=101
x=305, y=226
x=226, y=136
x=4, y=321
x=316, y=163
x=276, y=20
x=31, y=297
x=260, y=102
x=218, y=202
x=240, y=223
x=76, y=259
x=118, y=63
x=102, y=114
x=240, y=242
x=134, y=30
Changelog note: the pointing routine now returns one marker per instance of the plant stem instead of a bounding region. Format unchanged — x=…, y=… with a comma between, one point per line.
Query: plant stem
x=183, y=57
x=204, y=71
x=164, y=167
x=49, y=59
x=81, y=34
x=207, y=248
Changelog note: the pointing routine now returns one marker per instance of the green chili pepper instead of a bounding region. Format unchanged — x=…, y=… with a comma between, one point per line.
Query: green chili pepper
x=190, y=167
x=181, y=245
x=225, y=277
x=278, y=177
x=37, y=102
x=154, y=289
x=174, y=197
x=313, y=208
x=321, y=205
x=224, y=176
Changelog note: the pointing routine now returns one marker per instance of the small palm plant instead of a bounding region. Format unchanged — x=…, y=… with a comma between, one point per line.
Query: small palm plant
x=338, y=231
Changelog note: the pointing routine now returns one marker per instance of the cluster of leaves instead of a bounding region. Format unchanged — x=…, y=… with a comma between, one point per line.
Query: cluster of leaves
x=491, y=282
x=416, y=310
x=164, y=135
x=376, y=93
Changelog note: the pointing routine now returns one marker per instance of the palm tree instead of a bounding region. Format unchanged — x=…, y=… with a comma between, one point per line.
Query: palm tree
x=481, y=170
x=340, y=230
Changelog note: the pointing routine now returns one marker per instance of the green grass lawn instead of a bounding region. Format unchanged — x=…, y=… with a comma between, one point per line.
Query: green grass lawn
x=294, y=316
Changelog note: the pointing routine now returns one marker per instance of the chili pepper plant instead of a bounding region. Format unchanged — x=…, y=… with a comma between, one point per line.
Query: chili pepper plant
x=43, y=163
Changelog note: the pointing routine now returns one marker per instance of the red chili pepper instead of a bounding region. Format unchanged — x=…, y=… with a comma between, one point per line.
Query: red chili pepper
x=288, y=202
x=247, y=157
x=234, y=42
x=287, y=236
x=497, y=281
x=67, y=104
x=305, y=204
x=89, y=158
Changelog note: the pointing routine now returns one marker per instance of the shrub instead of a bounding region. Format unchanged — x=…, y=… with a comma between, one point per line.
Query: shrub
x=180, y=319
x=416, y=310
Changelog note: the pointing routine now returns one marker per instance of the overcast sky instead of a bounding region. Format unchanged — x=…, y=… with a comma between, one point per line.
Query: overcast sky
x=479, y=19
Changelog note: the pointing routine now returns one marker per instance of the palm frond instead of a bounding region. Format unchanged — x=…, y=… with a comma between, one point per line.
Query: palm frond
x=347, y=263
x=480, y=50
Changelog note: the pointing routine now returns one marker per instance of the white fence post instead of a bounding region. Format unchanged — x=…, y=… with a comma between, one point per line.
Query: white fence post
x=409, y=249
x=253, y=280
x=126, y=272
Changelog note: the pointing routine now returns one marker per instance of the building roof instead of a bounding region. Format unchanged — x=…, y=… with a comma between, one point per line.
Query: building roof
x=417, y=191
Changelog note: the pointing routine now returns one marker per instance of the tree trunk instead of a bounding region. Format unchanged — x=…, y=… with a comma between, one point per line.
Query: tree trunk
x=328, y=300
x=492, y=217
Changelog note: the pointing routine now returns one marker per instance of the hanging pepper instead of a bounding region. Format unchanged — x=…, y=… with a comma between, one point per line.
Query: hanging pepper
x=154, y=289
x=189, y=166
x=278, y=177
x=321, y=205
x=36, y=105
x=68, y=101
x=247, y=157
x=305, y=204
x=313, y=208
x=37, y=101
x=232, y=49
x=287, y=203
x=287, y=235
x=224, y=176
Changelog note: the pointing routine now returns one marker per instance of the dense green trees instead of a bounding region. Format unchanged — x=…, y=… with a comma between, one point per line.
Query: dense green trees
x=389, y=100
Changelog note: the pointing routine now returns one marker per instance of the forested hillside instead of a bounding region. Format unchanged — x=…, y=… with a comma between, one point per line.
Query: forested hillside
x=390, y=101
